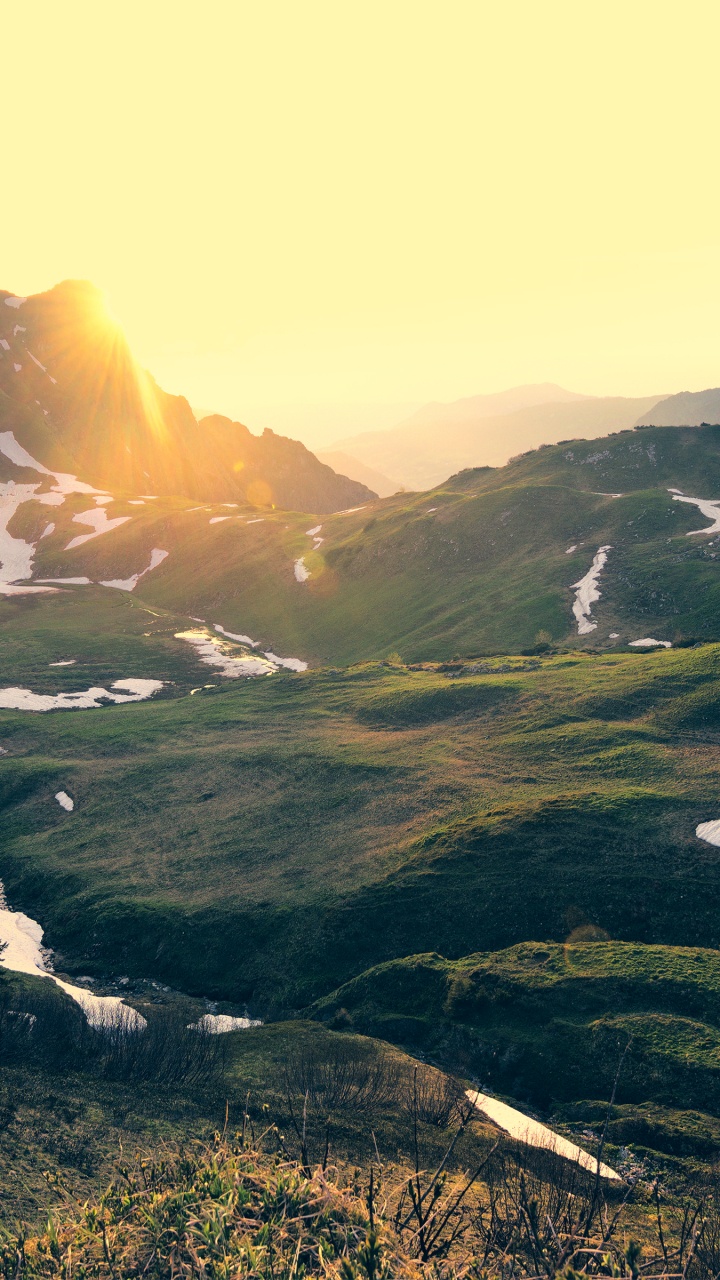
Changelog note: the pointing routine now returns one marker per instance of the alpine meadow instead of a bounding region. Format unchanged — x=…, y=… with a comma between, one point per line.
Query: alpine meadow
x=359, y=772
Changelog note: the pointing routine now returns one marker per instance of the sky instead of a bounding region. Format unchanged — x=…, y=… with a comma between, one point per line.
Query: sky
x=326, y=212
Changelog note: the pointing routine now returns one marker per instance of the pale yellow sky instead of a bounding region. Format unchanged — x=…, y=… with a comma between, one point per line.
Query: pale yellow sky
x=324, y=202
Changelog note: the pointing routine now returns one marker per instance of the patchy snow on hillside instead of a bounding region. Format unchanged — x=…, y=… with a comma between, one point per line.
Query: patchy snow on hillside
x=709, y=831
x=524, y=1129
x=16, y=555
x=587, y=592
x=648, y=643
x=64, y=801
x=129, y=584
x=218, y=519
x=25, y=700
x=97, y=518
x=233, y=635
x=216, y=653
x=302, y=573
x=219, y=1023
x=710, y=509
x=64, y=662
x=290, y=664
x=15, y=302
x=24, y=953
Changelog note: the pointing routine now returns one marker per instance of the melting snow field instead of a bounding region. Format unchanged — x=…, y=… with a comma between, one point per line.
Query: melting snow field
x=302, y=573
x=16, y=555
x=587, y=592
x=709, y=831
x=648, y=643
x=97, y=518
x=64, y=801
x=24, y=953
x=129, y=584
x=233, y=635
x=26, y=700
x=218, y=1023
x=216, y=654
x=711, y=510
x=534, y=1134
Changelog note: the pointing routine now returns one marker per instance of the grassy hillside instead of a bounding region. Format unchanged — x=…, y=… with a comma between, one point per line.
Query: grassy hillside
x=545, y=1021
x=484, y=564
x=272, y=838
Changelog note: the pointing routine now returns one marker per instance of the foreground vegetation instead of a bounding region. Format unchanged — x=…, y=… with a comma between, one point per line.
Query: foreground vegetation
x=233, y=1208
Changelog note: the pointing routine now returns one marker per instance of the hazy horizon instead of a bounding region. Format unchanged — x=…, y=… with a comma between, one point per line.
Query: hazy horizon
x=324, y=208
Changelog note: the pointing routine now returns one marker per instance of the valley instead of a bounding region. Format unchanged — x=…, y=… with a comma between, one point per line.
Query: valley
x=429, y=778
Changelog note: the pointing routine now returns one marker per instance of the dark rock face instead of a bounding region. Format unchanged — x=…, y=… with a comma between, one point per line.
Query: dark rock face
x=79, y=402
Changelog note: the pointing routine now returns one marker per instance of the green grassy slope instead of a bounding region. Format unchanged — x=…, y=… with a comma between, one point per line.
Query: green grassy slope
x=549, y=1021
x=273, y=838
x=483, y=564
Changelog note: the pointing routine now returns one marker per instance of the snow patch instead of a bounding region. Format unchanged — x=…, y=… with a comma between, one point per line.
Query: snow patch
x=64, y=801
x=24, y=953
x=218, y=654
x=587, y=592
x=26, y=700
x=70, y=582
x=232, y=635
x=310, y=533
x=17, y=367
x=572, y=548
x=533, y=1134
x=15, y=302
x=291, y=664
x=710, y=509
x=4, y=344
x=36, y=361
x=97, y=518
x=129, y=584
x=65, y=662
x=218, y=1023
x=302, y=573
x=709, y=831
x=647, y=643
x=49, y=528
x=218, y=519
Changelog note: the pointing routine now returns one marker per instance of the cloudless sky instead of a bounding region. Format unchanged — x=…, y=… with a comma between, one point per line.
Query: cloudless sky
x=320, y=202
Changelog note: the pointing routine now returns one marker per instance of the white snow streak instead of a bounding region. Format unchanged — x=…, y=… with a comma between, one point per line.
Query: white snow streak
x=648, y=643
x=709, y=831
x=218, y=1023
x=129, y=584
x=587, y=592
x=216, y=653
x=26, y=700
x=24, y=953
x=302, y=573
x=710, y=509
x=534, y=1134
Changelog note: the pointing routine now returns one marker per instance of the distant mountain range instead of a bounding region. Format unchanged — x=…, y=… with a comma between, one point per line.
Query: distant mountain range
x=442, y=439
x=77, y=399
x=686, y=409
